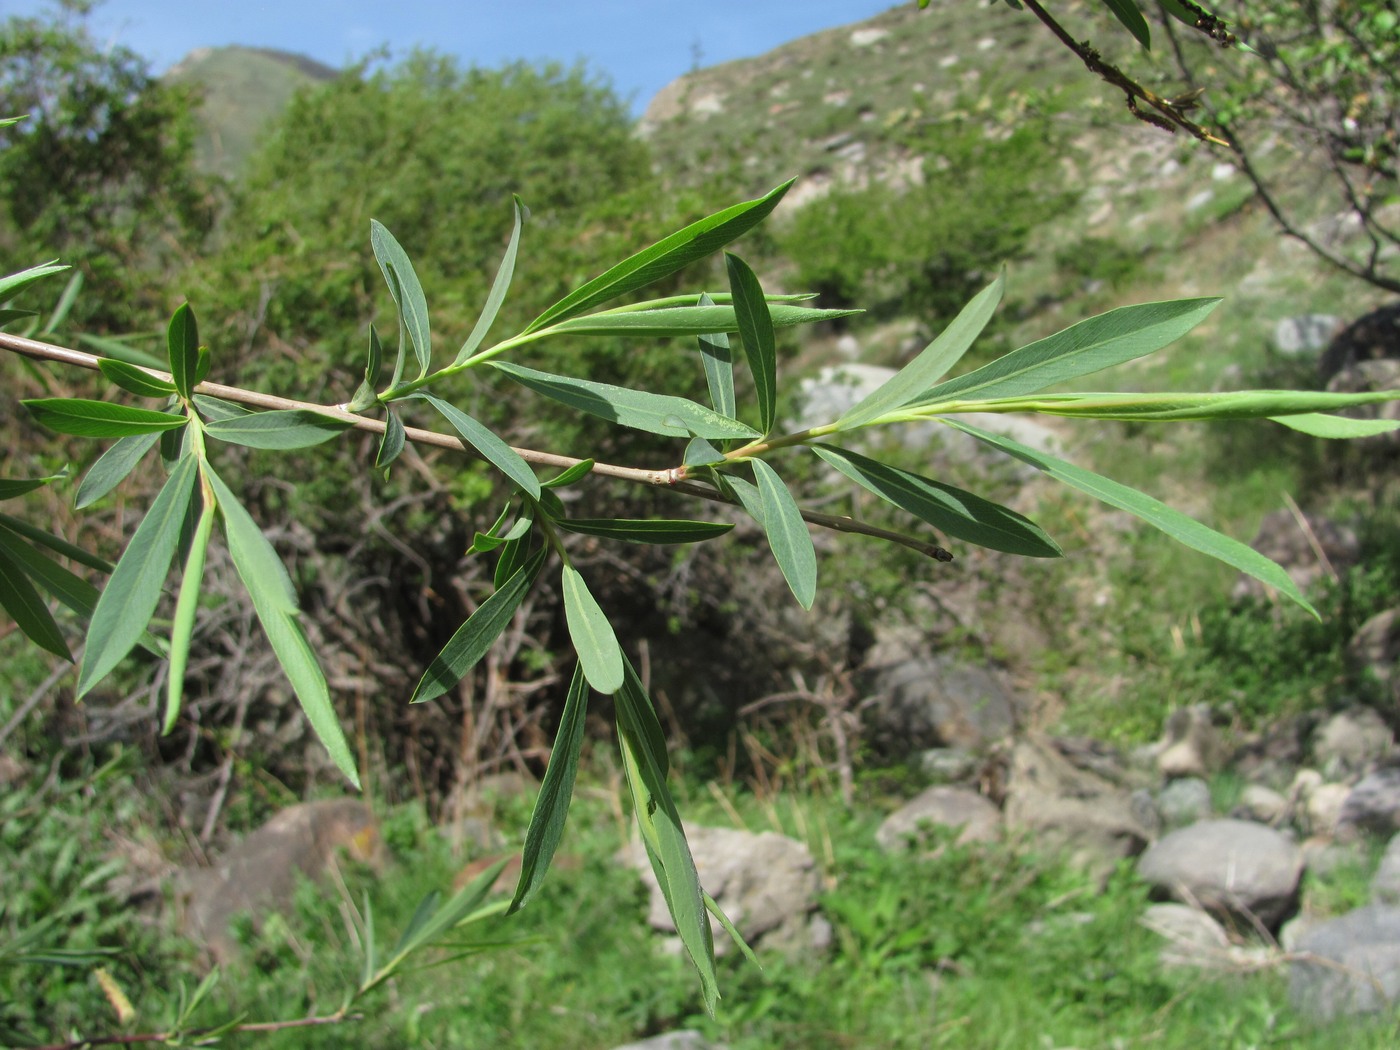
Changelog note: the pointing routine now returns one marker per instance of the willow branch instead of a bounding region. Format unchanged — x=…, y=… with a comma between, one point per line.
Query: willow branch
x=672, y=478
x=1170, y=115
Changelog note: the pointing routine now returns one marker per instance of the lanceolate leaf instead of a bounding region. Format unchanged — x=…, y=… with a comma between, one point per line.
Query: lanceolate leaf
x=391, y=444
x=73, y=591
x=1325, y=426
x=685, y=320
x=718, y=360
x=556, y=791
x=956, y=512
x=55, y=543
x=134, y=380
x=12, y=487
x=214, y=408
x=1126, y=11
x=514, y=553
x=186, y=605
x=747, y=493
x=19, y=598
x=1109, y=339
x=499, y=287
x=406, y=290
x=592, y=635
x=431, y=921
x=644, y=760
x=664, y=257
x=11, y=284
x=283, y=428
x=1161, y=408
x=787, y=534
x=492, y=448
x=274, y=600
x=569, y=475
x=640, y=410
x=756, y=330
x=71, y=415
x=1178, y=526
x=933, y=362
x=182, y=342
x=472, y=640
x=129, y=600
x=699, y=453
x=646, y=530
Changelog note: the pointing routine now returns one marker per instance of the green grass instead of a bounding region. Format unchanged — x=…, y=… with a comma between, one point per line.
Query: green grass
x=962, y=948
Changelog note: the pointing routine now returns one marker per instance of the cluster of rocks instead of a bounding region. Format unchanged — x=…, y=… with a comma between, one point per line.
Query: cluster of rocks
x=1232, y=881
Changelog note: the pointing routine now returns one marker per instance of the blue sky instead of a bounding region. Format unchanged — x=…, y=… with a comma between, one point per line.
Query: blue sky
x=641, y=45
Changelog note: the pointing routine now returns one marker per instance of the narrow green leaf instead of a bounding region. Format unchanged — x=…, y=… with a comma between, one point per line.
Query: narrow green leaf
x=492, y=448
x=718, y=360
x=756, y=330
x=956, y=512
x=556, y=790
x=283, y=428
x=665, y=257
x=134, y=380
x=204, y=361
x=746, y=492
x=1183, y=407
x=430, y=921
x=274, y=601
x=933, y=362
x=120, y=350
x=12, y=283
x=685, y=321
x=472, y=640
x=65, y=303
x=640, y=410
x=392, y=443
x=129, y=600
x=55, y=543
x=1178, y=526
x=646, y=530
x=700, y=453
x=514, y=554
x=712, y=906
x=182, y=343
x=1126, y=11
x=643, y=748
x=72, y=591
x=8, y=315
x=456, y=910
x=214, y=408
x=13, y=487
x=371, y=962
x=491, y=540
x=71, y=415
x=787, y=534
x=186, y=605
x=367, y=395
x=406, y=290
x=1091, y=345
x=499, y=287
x=1324, y=426
x=23, y=604
x=592, y=635
x=569, y=475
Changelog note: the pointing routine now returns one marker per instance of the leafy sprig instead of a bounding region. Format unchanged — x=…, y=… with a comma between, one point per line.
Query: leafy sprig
x=729, y=450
